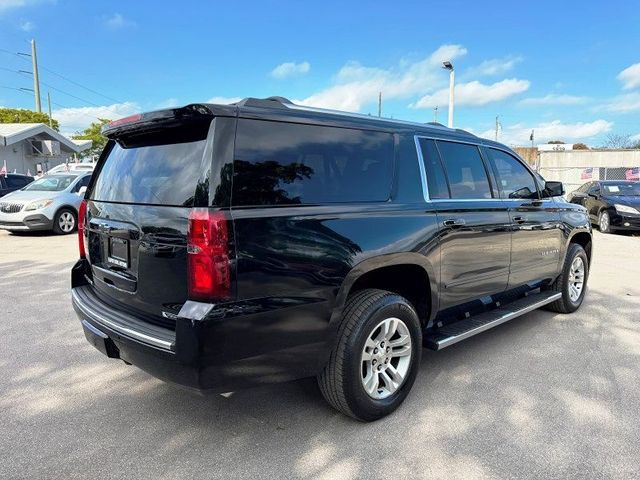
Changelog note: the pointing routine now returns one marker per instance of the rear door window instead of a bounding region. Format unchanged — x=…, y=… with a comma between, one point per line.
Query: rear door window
x=152, y=175
x=288, y=164
x=465, y=170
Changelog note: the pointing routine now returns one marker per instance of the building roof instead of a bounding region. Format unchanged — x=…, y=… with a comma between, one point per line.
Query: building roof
x=11, y=133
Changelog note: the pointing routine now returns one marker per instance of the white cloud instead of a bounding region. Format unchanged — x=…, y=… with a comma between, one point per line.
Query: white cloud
x=6, y=5
x=290, y=69
x=636, y=137
x=555, y=130
x=495, y=66
x=629, y=102
x=168, y=103
x=630, y=77
x=555, y=99
x=357, y=85
x=224, y=100
x=27, y=26
x=117, y=21
x=77, y=119
x=475, y=93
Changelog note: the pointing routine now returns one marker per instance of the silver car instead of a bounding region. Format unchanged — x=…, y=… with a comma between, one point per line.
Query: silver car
x=49, y=203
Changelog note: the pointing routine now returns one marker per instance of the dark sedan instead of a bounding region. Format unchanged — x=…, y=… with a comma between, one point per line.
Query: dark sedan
x=612, y=204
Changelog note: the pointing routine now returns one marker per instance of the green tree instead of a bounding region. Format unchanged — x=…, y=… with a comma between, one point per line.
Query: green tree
x=19, y=115
x=94, y=133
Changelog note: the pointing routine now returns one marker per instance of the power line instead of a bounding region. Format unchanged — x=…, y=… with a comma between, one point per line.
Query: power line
x=63, y=77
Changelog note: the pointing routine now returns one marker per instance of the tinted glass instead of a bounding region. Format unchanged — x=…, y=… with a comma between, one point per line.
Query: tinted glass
x=83, y=182
x=436, y=181
x=584, y=188
x=594, y=188
x=157, y=174
x=51, y=183
x=513, y=177
x=15, y=182
x=283, y=163
x=465, y=170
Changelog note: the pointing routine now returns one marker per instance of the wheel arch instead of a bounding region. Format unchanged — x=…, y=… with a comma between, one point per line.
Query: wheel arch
x=418, y=283
x=585, y=240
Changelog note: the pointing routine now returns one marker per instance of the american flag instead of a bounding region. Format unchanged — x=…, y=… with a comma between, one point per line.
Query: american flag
x=587, y=174
x=633, y=173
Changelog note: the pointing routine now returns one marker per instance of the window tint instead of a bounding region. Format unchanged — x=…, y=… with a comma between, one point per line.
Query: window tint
x=436, y=181
x=584, y=187
x=465, y=170
x=594, y=188
x=15, y=182
x=157, y=174
x=282, y=163
x=84, y=181
x=513, y=177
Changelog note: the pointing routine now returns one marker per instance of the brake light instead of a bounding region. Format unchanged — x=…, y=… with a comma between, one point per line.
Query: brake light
x=82, y=214
x=122, y=121
x=209, y=270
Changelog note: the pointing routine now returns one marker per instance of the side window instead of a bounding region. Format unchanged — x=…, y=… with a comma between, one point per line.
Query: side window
x=594, y=188
x=84, y=181
x=465, y=170
x=584, y=188
x=436, y=181
x=286, y=164
x=15, y=182
x=513, y=177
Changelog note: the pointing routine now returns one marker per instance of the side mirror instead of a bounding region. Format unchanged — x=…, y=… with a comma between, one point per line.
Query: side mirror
x=553, y=189
x=81, y=191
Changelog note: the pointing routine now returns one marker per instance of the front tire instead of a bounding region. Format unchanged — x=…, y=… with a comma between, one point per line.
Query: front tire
x=572, y=282
x=376, y=358
x=604, y=222
x=65, y=221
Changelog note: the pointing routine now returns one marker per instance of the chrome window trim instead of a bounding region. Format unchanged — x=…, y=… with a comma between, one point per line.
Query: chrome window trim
x=423, y=170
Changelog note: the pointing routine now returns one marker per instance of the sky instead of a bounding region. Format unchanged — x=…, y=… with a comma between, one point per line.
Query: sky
x=567, y=70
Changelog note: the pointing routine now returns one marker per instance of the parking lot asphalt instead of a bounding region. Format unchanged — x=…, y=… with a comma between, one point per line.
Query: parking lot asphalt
x=544, y=396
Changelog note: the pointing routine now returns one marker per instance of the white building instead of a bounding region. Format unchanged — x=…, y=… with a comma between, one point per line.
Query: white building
x=36, y=147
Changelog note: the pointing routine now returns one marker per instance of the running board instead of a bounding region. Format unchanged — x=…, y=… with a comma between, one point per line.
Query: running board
x=463, y=329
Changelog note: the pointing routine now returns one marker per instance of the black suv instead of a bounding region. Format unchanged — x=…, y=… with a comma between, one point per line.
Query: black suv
x=227, y=246
x=12, y=182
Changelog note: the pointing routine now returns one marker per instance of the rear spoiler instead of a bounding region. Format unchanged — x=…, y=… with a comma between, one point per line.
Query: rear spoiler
x=147, y=122
x=175, y=125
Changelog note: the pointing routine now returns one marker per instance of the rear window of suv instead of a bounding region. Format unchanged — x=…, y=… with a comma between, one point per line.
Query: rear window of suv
x=153, y=175
x=287, y=164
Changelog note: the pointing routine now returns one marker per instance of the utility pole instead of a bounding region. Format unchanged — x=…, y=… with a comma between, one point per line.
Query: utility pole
x=49, y=102
x=379, y=104
x=497, y=126
x=36, y=79
x=435, y=114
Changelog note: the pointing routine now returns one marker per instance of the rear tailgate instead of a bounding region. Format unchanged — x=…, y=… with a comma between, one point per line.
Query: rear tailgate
x=151, y=175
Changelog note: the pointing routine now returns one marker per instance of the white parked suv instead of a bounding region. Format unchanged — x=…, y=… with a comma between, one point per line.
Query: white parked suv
x=49, y=203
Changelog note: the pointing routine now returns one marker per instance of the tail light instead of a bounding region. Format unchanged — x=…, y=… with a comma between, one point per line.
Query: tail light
x=82, y=214
x=209, y=271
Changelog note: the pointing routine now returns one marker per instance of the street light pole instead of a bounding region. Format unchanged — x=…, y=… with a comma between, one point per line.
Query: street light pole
x=449, y=66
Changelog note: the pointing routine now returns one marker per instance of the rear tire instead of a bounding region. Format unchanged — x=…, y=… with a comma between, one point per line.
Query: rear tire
x=569, y=280
x=65, y=221
x=376, y=357
x=604, y=222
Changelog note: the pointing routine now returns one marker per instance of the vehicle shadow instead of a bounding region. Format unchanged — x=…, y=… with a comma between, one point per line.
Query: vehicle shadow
x=547, y=395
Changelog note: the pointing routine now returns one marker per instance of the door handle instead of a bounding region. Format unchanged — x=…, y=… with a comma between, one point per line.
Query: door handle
x=454, y=222
x=519, y=219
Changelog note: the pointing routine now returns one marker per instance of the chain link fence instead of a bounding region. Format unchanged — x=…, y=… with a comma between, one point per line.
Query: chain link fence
x=574, y=177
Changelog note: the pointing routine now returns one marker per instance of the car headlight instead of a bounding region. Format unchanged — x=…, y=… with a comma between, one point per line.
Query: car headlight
x=38, y=204
x=625, y=209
